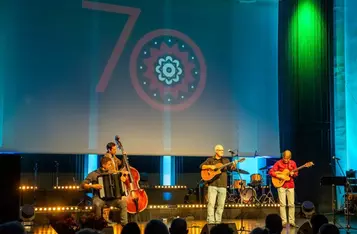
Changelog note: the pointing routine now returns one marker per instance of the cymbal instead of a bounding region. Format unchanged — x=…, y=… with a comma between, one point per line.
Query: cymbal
x=241, y=171
x=265, y=168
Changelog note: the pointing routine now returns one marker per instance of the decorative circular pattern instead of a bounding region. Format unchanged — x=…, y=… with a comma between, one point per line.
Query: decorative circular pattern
x=168, y=70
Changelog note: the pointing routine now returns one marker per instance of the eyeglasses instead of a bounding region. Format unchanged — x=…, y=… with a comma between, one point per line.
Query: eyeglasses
x=220, y=150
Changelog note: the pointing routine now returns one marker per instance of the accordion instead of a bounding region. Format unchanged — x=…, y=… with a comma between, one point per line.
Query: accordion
x=113, y=187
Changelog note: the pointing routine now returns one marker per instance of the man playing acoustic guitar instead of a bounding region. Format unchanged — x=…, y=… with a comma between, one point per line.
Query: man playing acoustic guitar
x=287, y=189
x=217, y=188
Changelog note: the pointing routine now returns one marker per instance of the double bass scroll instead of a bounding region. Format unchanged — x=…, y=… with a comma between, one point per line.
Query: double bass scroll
x=137, y=199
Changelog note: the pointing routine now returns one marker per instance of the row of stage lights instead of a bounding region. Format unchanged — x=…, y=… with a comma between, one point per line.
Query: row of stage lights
x=195, y=206
x=204, y=206
x=27, y=187
x=170, y=186
x=72, y=187
x=66, y=187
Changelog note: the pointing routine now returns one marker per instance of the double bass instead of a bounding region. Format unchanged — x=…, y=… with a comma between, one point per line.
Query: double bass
x=137, y=199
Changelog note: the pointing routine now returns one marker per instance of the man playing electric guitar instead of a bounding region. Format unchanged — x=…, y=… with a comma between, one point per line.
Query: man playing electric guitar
x=217, y=188
x=287, y=190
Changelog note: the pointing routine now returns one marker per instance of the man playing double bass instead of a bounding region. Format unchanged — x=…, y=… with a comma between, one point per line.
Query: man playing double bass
x=117, y=164
x=217, y=188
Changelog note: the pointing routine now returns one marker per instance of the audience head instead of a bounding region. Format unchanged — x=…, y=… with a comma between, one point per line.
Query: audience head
x=88, y=231
x=274, y=223
x=317, y=221
x=131, y=228
x=178, y=226
x=12, y=227
x=222, y=229
x=259, y=230
x=328, y=228
x=156, y=227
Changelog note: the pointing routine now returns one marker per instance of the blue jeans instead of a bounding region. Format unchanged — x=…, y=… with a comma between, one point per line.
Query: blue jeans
x=216, y=194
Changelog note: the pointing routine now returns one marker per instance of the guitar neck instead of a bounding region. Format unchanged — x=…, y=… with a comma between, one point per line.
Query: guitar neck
x=301, y=167
x=227, y=164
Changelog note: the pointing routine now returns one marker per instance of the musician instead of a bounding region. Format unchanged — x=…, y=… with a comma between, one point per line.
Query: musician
x=217, y=188
x=91, y=182
x=287, y=190
x=117, y=164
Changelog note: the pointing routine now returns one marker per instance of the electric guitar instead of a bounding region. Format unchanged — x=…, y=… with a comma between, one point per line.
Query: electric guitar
x=209, y=174
x=285, y=175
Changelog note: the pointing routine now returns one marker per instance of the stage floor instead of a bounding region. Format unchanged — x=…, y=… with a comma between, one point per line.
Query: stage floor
x=196, y=226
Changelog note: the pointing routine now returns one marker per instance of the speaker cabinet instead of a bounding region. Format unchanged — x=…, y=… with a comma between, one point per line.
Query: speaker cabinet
x=207, y=228
x=9, y=184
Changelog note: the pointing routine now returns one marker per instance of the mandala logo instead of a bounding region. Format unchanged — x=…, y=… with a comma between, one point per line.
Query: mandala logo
x=168, y=70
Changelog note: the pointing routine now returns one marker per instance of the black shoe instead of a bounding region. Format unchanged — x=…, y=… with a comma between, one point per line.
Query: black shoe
x=294, y=225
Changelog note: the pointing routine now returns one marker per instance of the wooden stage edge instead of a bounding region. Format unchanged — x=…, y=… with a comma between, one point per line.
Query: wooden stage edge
x=187, y=211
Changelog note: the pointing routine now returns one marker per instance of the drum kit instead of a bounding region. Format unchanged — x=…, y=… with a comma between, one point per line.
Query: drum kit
x=255, y=192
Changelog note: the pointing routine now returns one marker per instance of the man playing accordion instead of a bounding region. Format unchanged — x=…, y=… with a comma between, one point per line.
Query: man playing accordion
x=91, y=182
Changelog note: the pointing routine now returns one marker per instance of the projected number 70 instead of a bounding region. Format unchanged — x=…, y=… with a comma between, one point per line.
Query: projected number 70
x=167, y=68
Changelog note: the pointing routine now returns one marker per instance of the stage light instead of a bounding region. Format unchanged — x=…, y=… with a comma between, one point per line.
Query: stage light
x=27, y=212
x=307, y=209
x=27, y=215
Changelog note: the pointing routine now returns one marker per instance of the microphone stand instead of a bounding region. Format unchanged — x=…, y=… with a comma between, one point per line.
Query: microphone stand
x=231, y=195
x=347, y=202
x=200, y=202
x=57, y=172
x=35, y=184
x=242, y=227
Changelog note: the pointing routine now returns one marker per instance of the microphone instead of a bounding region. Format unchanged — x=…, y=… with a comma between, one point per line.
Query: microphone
x=231, y=151
x=116, y=138
x=335, y=158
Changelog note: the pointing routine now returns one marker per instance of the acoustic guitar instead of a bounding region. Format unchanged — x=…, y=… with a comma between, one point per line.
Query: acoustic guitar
x=210, y=174
x=285, y=175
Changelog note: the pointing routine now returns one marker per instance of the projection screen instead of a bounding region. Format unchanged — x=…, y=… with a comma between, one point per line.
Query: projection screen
x=170, y=78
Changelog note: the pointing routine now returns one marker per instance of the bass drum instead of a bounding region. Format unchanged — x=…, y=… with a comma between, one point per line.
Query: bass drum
x=247, y=195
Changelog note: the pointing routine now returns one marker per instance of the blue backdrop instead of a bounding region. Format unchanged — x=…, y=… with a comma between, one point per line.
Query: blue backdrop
x=345, y=86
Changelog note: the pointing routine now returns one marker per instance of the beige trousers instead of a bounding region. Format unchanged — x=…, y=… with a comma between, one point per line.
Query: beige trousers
x=290, y=194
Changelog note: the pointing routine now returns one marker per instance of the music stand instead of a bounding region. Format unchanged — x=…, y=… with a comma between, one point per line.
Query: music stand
x=334, y=181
